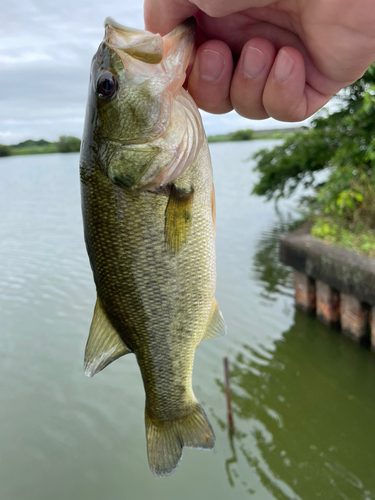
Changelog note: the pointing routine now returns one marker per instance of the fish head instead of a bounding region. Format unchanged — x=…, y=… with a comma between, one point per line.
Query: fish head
x=146, y=130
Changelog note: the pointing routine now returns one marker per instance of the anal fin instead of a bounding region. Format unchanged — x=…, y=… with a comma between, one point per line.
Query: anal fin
x=216, y=326
x=104, y=344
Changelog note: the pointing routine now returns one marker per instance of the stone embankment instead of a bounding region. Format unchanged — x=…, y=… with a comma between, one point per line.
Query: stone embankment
x=334, y=283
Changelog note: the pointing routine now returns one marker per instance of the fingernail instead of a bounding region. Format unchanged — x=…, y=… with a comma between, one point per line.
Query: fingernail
x=283, y=66
x=253, y=62
x=211, y=65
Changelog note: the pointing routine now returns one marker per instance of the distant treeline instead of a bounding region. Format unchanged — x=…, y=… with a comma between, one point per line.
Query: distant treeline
x=248, y=135
x=70, y=144
x=239, y=135
x=65, y=144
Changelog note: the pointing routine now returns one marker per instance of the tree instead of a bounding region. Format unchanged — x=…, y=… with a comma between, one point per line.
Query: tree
x=68, y=144
x=242, y=135
x=4, y=150
x=343, y=143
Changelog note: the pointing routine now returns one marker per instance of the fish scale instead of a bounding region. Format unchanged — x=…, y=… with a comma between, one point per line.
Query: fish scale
x=151, y=246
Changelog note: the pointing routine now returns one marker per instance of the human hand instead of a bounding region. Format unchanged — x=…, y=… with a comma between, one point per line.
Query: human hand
x=291, y=55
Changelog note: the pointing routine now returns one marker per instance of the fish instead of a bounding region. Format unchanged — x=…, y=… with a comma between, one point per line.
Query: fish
x=148, y=206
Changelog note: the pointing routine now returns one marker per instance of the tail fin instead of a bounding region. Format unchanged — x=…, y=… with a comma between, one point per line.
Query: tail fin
x=165, y=440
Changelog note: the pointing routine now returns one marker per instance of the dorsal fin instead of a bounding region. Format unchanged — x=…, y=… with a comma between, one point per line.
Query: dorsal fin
x=216, y=325
x=178, y=217
x=104, y=344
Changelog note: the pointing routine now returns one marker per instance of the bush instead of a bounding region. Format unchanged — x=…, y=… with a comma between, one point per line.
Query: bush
x=68, y=144
x=344, y=144
x=4, y=150
x=242, y=135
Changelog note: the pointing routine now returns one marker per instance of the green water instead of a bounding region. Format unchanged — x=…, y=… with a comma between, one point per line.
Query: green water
x=303, y=395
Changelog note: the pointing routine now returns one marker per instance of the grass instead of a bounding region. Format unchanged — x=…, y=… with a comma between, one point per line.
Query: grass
x=34, y=150
x=249, y=135
x=272, y=135
x=66, y=144
x=239, y=135
x=362, y=241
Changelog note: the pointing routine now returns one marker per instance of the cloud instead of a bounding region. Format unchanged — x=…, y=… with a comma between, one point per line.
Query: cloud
x=45, y=55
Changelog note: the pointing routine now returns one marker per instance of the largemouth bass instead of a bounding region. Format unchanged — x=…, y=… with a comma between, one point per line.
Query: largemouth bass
x=149, y=212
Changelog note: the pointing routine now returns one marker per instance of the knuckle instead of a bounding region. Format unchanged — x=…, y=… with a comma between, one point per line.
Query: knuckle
x=285, y=107
x=255, y=113
x=213, y=8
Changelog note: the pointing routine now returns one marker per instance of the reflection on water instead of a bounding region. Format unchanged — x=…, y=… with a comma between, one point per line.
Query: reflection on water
x=303, y=396
x=303, y=407
x=276, y=278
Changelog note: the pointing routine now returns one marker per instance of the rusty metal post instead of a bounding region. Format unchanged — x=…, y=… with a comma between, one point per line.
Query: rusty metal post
x=227, y=393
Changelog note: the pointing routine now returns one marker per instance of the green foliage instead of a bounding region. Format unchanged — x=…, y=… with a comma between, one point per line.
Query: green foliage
x=239, y=135
x=218, y=138
x=68, y=144
x=328, y=230
x=342, y=137
x=271, y=134
x=348, y=197
x=247, y=135
x=284, y=167
x=343, y=144
x=49, y=148
x=242, y=135
x=4, y=150
x=30, y=144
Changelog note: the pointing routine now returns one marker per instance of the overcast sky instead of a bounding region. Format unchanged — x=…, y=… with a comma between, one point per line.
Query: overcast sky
x=46, y=47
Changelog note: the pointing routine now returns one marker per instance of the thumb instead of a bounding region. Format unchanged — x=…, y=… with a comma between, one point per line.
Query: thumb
x=162, y=16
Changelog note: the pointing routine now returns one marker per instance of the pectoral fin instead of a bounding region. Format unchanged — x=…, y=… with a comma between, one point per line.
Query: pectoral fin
x=178, y=218
x=216, y=325
x=104, y=344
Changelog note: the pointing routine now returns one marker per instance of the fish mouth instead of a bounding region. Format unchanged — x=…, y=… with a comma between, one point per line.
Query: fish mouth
x=144, y=45
x=109, y=21
x=146, y=56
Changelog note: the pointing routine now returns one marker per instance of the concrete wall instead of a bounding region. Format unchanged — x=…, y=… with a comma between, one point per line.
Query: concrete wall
x=335, y=284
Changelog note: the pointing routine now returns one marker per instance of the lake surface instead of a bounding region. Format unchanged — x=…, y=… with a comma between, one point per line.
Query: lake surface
x=303, y=395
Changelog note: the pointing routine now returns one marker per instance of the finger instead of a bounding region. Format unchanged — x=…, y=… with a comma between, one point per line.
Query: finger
x=210, y=77
x=162, y=16
x=221, y=8
x=286, y=95
x=237, y=32
x=250, y=76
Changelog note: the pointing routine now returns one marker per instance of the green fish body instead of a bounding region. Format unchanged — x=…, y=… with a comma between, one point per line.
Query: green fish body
x=148, y=210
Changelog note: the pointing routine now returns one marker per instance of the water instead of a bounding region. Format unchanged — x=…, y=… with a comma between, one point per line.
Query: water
x=303, y=395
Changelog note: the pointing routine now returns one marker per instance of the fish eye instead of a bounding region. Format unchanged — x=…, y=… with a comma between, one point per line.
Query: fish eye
x=106, y=85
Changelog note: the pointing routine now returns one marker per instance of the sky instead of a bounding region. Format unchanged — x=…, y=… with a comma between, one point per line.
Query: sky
x=46, y=49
